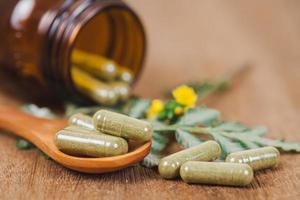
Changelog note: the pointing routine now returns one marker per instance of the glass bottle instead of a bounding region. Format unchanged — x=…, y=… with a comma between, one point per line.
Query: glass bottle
x=72, y=47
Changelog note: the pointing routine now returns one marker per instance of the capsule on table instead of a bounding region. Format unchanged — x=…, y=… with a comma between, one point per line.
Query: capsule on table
x=216, y=173
x=261, y=158
x=89, y=143
x=99, y=66
x=169, y=166
x=97, y=90
x=121, y=89
x=81, y=120
x=123, y=126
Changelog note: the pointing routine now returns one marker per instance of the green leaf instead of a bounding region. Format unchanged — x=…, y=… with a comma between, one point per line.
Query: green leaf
x=159, y=141
x=236, y=128
x=151, y=160
x=160, y=137
x=157, y=124
x=228, y=146
x=23, y=144
x=158, y=146
x=139, y=107
x=261, y=142
x=231, y=126
x=258, y=131
x=187, y=139
x=200, y=116
x=285, y=146
x=202, y=87
x=245, y=143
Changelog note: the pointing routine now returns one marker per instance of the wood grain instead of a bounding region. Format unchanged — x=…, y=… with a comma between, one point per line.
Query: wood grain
x=193, y=40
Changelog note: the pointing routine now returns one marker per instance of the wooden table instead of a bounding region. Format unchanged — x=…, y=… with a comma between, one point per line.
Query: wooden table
x=193, y=40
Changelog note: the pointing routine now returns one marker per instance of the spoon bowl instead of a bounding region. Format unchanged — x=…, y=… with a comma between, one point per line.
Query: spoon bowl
x=41, y=133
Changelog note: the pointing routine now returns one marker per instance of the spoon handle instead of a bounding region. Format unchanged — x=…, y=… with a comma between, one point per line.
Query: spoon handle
x=41, y=133
x=24, y=125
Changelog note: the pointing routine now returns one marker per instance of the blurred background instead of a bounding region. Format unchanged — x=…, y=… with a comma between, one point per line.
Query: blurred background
x=189, y=39
x=197, y=40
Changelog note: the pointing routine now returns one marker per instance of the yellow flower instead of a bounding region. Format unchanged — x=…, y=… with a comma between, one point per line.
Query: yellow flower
x=185, y=95
x=156, y=107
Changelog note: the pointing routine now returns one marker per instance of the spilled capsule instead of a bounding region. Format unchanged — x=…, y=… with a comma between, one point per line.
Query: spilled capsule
x=89, y=143
x=261, y=158
x=216, y=173
x=169, y=166
x=123, y=126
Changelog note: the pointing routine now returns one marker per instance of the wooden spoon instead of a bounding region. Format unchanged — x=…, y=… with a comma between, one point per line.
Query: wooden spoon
x=41, y=133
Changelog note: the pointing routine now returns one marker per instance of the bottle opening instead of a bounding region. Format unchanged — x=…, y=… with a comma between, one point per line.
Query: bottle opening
x=107, y=55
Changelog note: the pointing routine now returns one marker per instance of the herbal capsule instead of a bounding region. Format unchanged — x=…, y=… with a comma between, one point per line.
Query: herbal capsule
x=123, y=126
x=169, y=166
x=80, y=129
x=122, y=90
x=216, y=173
x=89, y=143
x=260, y=158
x=81, y=120
x=97, y=90
x=125, y=75
x=97, y=65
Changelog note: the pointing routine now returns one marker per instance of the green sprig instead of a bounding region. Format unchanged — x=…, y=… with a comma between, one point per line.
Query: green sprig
x=245, y=140
x=206, y=88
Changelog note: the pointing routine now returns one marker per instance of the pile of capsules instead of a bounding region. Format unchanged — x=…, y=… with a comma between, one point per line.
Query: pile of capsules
x=193, y=164
x=107, y=133
x=100, y=78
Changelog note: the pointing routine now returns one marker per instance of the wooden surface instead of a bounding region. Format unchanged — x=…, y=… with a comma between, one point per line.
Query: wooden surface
x=193, y=40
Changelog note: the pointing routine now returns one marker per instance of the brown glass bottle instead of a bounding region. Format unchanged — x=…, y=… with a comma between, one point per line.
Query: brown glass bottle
x=38, y=38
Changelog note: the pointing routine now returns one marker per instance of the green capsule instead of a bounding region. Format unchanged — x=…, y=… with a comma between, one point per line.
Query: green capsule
x=260, y=158
x=89, y=143
x=216, y=173
x=81, y=120
x=123, y=126
x=169, y=166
